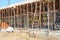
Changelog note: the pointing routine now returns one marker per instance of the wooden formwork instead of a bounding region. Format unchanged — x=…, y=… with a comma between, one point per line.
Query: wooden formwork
x=30, y=15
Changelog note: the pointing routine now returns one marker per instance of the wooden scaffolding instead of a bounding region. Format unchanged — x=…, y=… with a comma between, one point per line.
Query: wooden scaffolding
x=38, y=14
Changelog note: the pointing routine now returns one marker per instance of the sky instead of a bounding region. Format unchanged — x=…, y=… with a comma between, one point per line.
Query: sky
x=5, y=2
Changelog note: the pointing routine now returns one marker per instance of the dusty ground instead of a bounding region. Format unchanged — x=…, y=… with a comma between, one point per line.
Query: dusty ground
x=25, y=36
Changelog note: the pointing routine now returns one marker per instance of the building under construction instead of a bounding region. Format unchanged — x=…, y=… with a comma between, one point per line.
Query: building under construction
x=41, y=14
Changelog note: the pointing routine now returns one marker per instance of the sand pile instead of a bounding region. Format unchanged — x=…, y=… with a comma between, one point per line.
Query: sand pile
x=24, y=36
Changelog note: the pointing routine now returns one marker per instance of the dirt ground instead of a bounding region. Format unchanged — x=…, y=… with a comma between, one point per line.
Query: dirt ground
x=25, y=36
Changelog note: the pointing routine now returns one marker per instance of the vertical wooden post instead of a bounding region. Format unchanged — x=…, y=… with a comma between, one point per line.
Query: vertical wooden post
x=48, y=16
x=32, y=14
x=54, y=14
x=7, y=15
x=11, y=17
x=59, y=4
x=24, y=17
x=2, y=14
x=17, y=14
x=40, y=13
x=33, y=18
x=43, y=12
x=14, y=17
x=20, y=17
x=27, y=17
